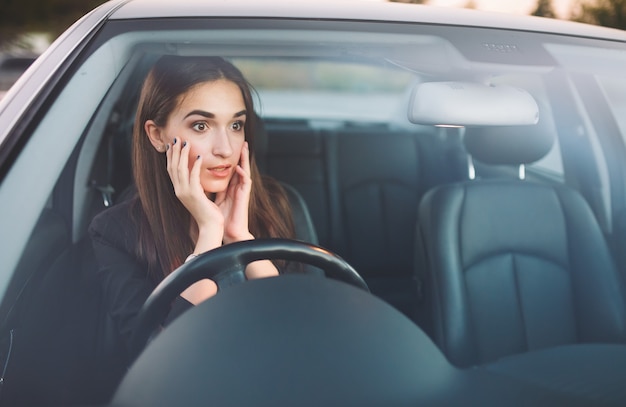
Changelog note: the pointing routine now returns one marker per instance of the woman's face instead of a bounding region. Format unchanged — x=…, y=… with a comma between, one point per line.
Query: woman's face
x=210, y=117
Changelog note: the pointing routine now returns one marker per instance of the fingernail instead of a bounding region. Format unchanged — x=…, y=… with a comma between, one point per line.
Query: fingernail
x=174, y=141
x=184, y=143
x=198, y=157
x=167, y=146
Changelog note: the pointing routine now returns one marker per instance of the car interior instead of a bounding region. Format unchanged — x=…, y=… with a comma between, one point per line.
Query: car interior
x=496, y=293
x=496, y=237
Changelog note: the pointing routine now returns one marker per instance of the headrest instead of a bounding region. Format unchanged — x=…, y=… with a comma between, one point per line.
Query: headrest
x=509, y=145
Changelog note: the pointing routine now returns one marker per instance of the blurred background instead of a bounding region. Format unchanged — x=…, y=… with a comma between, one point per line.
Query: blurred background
x=27, y=27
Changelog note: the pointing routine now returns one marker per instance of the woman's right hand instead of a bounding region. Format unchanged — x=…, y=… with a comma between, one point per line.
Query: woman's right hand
x=207, y=215
x=189, y=191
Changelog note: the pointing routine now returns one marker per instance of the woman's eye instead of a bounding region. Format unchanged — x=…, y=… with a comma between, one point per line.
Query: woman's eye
x=200, y=126
x=237, y=126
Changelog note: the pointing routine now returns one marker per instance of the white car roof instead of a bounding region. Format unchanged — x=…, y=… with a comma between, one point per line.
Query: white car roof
x=357, y=10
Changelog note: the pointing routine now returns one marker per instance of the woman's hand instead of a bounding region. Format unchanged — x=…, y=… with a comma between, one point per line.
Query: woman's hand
x=234, y=204
x=225, y=220
x=235, y=200
x=189, y=191
x=207, y=215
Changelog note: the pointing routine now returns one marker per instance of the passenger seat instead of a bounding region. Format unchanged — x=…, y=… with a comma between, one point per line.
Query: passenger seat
x=515, y=265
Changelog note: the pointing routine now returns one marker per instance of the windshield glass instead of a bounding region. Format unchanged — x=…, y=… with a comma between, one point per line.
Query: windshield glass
x=293, y=88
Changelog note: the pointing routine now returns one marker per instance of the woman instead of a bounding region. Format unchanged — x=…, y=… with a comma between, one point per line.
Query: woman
x=197, y=188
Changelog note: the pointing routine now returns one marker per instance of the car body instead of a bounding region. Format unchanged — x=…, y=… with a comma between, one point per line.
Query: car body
x=366, y=107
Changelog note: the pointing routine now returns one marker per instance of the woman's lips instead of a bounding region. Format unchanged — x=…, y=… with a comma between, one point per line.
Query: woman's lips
x=220, y=171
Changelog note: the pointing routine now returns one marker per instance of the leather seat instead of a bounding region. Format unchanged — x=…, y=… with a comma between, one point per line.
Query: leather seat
x=514, y=265
x=362, y=184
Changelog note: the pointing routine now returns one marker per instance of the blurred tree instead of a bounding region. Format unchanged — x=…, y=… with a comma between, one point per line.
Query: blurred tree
x=544, y=9
x=18, y=17
x=470, y=4
x=609, y=13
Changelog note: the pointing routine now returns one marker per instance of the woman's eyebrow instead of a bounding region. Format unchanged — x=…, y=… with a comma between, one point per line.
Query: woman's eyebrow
x=210, y=115
x=203, y=113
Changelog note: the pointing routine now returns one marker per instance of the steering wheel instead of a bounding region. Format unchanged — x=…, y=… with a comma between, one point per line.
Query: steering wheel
x=226, y=266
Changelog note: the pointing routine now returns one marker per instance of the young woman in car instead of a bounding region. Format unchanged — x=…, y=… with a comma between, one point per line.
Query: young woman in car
x=198, y=187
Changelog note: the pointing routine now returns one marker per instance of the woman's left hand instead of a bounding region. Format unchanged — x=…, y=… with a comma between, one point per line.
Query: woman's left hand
x=234, y=201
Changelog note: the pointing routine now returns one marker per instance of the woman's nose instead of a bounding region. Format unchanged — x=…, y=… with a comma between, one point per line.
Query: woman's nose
x=221, y=145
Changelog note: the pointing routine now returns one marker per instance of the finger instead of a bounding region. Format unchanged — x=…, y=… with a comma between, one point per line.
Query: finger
x=194, y=176
x=244, y=177
x=168, y=155
x=245, y=157
x=174, y=158
x=234, y=182
x=170, y=165
x=183, y=163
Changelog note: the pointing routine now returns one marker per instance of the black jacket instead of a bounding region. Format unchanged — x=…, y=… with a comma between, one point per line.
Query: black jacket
x=123, y=278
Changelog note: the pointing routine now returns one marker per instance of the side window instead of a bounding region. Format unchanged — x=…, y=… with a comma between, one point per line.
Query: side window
x=615, y=91
x=601, y=204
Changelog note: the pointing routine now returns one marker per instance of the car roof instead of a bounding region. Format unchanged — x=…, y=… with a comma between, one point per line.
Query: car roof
x=358, y=10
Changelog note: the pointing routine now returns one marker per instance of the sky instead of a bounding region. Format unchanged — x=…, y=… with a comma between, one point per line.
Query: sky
x=561, y=7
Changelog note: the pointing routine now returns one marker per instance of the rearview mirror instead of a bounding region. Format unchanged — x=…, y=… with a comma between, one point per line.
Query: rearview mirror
x=460, y=104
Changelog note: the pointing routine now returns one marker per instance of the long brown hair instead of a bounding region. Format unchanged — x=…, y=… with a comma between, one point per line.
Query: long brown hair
x=162, y=220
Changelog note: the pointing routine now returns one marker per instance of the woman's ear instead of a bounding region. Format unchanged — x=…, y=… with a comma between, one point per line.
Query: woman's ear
x=155, y=135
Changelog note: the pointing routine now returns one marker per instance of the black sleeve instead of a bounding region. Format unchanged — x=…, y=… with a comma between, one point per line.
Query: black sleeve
x=125, y=285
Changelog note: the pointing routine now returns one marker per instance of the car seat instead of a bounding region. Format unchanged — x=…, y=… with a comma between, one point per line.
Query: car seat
x=514, y=265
